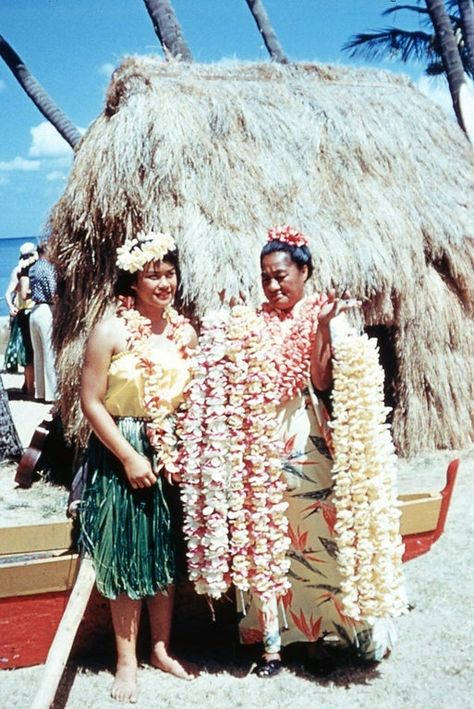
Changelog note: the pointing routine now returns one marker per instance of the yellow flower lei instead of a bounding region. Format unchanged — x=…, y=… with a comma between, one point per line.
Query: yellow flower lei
x=367, y=522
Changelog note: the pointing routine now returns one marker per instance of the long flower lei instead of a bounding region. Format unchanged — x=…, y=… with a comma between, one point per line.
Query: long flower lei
x=161, y=427
x=232, y=489
x=367, y=520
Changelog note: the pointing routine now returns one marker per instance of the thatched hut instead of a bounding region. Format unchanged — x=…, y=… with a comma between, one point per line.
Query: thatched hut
x=360, y=160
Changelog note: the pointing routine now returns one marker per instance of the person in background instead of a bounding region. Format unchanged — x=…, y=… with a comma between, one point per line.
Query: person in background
x=41, y=282
x=19, y=350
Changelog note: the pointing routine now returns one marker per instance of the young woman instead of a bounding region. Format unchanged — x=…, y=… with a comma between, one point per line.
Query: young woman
x=300, y=324
x=135, y=372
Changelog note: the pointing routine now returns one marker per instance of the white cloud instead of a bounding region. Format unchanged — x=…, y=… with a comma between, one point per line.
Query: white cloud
x=47, y=143
x=20, y=164
x=106, y=69
x=55, y=175
x=437, y=90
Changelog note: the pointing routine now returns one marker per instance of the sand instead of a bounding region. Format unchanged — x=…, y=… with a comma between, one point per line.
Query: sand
x=432, y=665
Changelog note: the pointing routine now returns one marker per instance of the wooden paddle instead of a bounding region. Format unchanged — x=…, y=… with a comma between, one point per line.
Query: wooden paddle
x=61, y=646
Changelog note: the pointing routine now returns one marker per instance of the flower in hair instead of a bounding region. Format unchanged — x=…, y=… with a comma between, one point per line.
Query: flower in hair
x=287, y=235
x=145, y=247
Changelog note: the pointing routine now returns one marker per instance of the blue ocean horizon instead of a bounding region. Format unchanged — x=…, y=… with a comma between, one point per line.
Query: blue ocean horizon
x=9, y=254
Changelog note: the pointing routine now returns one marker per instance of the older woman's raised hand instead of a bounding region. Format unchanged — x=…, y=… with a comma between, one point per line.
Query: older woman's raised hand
x=335, y=306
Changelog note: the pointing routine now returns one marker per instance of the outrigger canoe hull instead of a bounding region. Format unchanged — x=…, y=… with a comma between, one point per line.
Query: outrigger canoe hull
x=38, y=568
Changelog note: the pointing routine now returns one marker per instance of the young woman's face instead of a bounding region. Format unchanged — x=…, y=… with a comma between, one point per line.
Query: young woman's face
x=156, y=284
x=283, y=280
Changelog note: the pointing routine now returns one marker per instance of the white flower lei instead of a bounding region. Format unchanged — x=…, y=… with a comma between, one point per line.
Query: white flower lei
x=144, y=248
x=232, y=489
x=367, y=527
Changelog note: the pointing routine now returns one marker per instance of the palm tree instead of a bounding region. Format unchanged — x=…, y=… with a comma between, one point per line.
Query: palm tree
x=452, y=63
x=168, y=29
x=38, y=95
x=440, y=47
x=466, y=9
x=264, y=25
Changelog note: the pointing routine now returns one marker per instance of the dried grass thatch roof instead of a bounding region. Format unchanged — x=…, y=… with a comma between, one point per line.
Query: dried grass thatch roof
x=361, y=161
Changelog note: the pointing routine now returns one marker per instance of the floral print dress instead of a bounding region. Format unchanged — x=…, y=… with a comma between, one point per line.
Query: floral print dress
x=312, y=608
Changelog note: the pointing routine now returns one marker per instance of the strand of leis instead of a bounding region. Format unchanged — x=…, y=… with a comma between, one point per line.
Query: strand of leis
x=161, y=428
x=258, y=525
x=367, y=527
x=203, y=460
x=232, y=489
x=292, y=352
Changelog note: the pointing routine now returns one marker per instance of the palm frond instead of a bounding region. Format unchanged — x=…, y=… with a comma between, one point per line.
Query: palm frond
x=391, y=42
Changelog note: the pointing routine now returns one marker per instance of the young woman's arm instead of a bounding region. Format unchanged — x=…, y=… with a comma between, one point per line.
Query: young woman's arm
x=99, y=350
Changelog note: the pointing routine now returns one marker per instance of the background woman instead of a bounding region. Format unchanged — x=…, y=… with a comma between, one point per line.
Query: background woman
x=19, y=350
x=134, y=375
x=40, y=281
x=299, y=327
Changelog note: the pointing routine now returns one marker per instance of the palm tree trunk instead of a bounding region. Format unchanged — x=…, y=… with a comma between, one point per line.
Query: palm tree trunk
x=266, y=30
x=38, y=95
x=466, y=9
x=449, y=52
x=168, y=29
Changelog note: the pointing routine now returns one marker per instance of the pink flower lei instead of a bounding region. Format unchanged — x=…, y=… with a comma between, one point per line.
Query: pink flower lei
x=287, y=235
x=292, y=347
x=161, y=428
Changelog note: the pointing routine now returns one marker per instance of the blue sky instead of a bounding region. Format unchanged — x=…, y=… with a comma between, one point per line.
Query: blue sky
x=71, y=46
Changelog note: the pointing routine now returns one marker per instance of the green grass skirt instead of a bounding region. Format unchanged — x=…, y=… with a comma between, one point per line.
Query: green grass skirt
x=127, y=532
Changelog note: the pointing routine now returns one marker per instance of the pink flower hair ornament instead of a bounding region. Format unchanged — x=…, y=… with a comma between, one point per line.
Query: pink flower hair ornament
x=287, y=235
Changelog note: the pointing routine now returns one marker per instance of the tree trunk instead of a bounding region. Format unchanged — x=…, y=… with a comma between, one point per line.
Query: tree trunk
x=38, y=95
x=10, y=444
x=449, y=52
x=168, y=29
x=466, y=9
x=266, y=30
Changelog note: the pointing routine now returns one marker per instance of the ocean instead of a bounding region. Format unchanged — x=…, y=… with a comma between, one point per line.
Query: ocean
x=9, y=253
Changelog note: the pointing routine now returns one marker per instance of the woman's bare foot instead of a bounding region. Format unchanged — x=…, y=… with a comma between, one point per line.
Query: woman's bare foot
x=163, y=661
x=124, y=688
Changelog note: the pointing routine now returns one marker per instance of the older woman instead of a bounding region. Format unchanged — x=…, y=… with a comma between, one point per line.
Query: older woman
x=300, y=324
x=134, y=375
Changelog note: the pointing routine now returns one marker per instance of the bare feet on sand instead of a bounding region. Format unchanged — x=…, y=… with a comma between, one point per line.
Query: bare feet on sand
x=163, y=661
x=124, y=688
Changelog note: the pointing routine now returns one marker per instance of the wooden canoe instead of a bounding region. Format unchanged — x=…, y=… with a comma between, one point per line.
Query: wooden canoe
x=38, y=567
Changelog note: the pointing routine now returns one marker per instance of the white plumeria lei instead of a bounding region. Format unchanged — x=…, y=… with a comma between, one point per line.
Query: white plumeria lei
x=232, y=488
x=368, y=519
x=144, y=248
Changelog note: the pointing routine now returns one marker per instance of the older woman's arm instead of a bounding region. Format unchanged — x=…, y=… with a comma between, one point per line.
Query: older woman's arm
x=321, y=364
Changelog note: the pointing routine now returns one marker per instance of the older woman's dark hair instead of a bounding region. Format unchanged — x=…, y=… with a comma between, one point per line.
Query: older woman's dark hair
x=300, y=255
x=126, y=280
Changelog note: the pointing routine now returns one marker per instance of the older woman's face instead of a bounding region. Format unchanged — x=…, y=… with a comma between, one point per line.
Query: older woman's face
x=283, y=280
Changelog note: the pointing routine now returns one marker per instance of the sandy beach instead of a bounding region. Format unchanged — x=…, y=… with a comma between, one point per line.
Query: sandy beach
x=431, y=666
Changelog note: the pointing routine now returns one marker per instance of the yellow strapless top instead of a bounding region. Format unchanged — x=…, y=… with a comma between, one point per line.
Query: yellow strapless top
x=125, y=385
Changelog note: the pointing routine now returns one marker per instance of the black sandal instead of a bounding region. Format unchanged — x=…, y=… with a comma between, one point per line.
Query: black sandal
x=268, y=668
